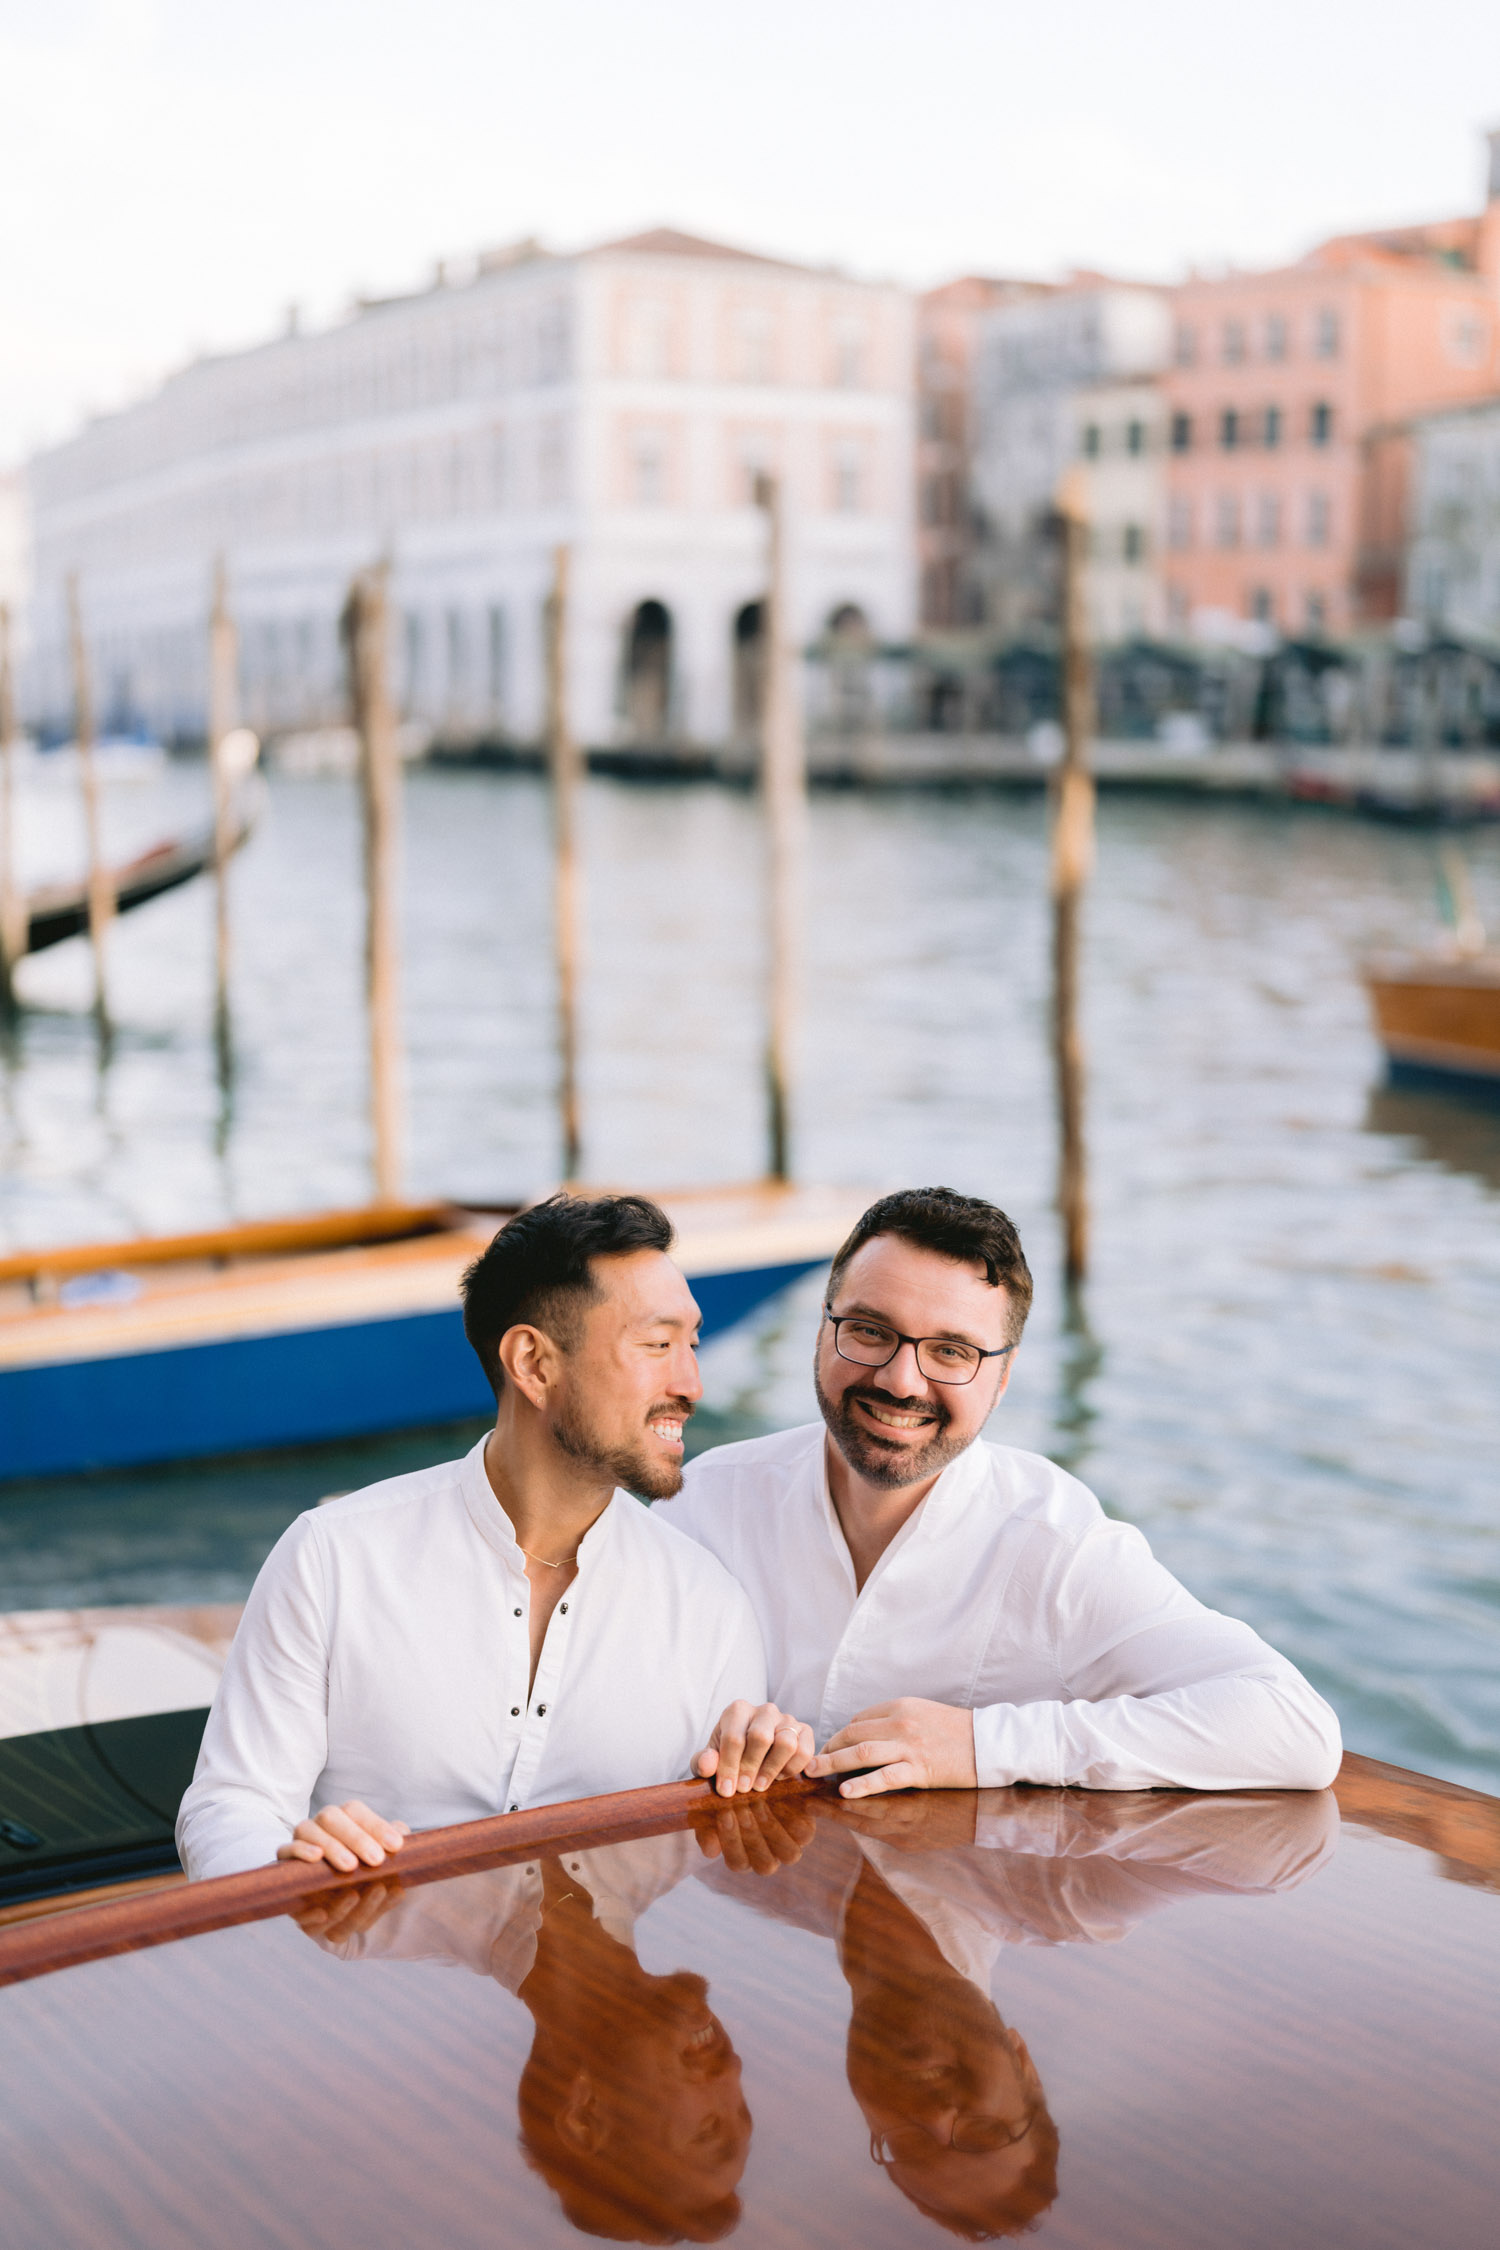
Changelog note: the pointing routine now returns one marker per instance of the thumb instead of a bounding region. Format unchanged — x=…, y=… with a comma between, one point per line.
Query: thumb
x=707, y=1761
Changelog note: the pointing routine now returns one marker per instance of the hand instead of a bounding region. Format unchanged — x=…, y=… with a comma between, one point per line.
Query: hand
x=756, y=1838
x=332, y=1915
x=751, y=1745
x=909, y=1823
x=346, y=1836
x=912, y=1744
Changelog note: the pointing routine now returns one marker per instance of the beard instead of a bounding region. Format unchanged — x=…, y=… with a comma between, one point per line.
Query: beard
x=627, y=1465
x=882, y=1463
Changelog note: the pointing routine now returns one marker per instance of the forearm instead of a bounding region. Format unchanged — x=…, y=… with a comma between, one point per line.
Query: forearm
x=1249, y=1730
x=224, y=1831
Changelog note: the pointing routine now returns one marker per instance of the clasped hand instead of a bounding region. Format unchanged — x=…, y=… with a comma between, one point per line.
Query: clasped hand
x=906, y=1744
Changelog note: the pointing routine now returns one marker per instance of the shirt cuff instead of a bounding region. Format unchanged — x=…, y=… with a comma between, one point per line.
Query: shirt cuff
x=1018, y=1742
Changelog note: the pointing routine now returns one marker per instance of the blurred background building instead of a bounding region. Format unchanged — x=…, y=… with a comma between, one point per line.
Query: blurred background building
x=1453, y=576
x=623, y=399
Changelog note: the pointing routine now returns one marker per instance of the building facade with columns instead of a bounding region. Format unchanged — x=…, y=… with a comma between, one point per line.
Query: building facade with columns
x=622, y=400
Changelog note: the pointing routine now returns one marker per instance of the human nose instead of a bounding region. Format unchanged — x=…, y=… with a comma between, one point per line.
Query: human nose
x=687, y=1381
x=905, y=1370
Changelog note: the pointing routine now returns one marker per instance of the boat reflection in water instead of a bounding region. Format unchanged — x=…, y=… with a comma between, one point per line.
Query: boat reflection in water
x=630, y=2101
x=1455, y=1127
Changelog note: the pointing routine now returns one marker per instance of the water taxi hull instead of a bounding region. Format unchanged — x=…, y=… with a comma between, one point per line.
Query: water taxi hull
x=1440, y=1017
x=248, y=1347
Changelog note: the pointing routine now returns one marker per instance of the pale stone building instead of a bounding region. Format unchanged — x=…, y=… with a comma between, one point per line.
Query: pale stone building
x=621, y=399
x=1048, y=370
x=1453, y=564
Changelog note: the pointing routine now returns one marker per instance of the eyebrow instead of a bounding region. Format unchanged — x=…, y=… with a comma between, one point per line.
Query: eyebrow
x=934, y=1335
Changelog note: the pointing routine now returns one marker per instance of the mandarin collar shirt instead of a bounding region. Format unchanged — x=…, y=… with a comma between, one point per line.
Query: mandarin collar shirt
x=384, y=1651
x=1008, y=1592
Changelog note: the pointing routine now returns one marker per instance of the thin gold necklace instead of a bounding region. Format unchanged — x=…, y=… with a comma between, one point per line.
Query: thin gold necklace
x=530, y=1557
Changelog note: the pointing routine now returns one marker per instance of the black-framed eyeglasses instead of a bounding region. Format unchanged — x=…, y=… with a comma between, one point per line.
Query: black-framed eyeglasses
x=874, y=1343
x=972, y=2136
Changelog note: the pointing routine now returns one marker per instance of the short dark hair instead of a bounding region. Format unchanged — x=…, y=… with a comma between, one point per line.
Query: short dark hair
x=961, y=1227
x=538, y=1268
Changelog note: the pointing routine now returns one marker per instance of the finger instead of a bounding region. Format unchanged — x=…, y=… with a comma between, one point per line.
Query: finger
x=312, y=1843
x=790, y=1749
x=899, y=1775
x=708, y=1842
x=387, y=1833
x=340, y=1822
x=760, y=1739
x=873, y=1753
x=731, y=1842
x=366, y=1906
x=706, y=1762
x=787, y=1835
x=730, y=1734
x=866, y=1728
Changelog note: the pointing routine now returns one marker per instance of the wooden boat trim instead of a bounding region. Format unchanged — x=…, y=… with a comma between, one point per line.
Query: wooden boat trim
x=71, y=1902
x=253, y=1238
x=129, y=1924
x=1461, y=1825
x=1442, y=1054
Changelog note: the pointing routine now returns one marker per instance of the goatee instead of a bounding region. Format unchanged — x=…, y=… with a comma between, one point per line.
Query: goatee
x=889, y=1467
x=630, y=1467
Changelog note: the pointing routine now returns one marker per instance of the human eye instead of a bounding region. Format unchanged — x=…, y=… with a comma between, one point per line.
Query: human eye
x=867, y=1331
x=951, y=1355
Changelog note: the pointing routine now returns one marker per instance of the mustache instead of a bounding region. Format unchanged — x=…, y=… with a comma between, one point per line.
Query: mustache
x=671, y=1410
x=876, y=1397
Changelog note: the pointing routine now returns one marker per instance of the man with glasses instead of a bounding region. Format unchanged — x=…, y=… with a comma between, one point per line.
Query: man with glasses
x=940, y=1612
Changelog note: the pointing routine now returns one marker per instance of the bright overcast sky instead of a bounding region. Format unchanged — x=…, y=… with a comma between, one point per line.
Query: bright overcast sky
x=174, y=172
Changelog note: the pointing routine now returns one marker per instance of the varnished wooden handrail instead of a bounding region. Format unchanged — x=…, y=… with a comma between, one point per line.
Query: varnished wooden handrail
x=1462, y=1826
x=127, y=1925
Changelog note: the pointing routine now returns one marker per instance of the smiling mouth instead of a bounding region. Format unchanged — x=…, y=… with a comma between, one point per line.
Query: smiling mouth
x=895, y=1417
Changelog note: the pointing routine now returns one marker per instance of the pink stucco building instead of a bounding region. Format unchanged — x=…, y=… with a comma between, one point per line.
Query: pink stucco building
x=1288, y=407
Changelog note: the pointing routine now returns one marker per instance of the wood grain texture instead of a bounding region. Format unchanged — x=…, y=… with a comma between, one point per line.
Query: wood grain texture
x=1152, y=2021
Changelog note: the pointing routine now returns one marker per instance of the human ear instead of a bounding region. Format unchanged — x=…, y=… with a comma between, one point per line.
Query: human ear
x=527, y=1357
x=578, y=2121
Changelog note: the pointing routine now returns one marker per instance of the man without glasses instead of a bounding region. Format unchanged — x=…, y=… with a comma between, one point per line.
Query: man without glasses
x=940, y=1612
x=510, y=1629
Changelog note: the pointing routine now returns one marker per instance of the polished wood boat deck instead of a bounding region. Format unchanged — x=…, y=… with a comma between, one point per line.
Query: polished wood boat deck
x=1439, y=1013
x=1125, y=2022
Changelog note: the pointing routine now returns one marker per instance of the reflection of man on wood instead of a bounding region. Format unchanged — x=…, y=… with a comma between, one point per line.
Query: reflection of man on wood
x=922, y=1895
x=630, y=2101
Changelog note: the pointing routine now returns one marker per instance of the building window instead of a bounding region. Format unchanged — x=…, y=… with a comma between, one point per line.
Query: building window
x=1271, y=427
x=1227, y=520
x=1268, y=520
x=1315, y=609
x=1179, y=523
x=1186, y=346
x=1229, y=428
x=648, y=337
x=1320, y=427
x=849, y=359
x=1261, y=605
x=1182, y=433
x=1466, y=337
x=1134, y=543
x=1234, y=342
x=1135, y=437
x=848, y=479
x=752, y=329
x=1326, y=333
x=650, y=469
x=1275, y=334
x=1319, y=519
x=1091, y=441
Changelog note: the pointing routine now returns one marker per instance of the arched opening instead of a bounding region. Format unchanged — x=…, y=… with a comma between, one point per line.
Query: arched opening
x=851, y=648
x=749, y=670
x=648, y=673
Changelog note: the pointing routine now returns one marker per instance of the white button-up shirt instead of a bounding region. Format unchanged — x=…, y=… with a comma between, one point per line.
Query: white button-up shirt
x=384, y=1653
x=1010, y=1593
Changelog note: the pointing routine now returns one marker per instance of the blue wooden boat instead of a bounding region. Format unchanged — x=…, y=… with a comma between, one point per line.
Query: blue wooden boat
x=287, y=1332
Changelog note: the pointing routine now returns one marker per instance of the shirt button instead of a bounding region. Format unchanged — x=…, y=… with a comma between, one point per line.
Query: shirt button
x=512, y=1808
x=541, y=1710
x=563, y=1607
x=515, y=1710
x=516, y=1613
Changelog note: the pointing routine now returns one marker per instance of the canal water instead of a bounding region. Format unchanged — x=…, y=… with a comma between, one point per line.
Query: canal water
x=1286, y=1366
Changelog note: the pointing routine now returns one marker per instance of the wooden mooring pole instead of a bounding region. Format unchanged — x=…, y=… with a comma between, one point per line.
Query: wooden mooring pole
x=365, y=629
x=223, y=700
x=13, y=931
x=563, y=767
x=1072, y=864
x=100, y=889
x=784, y=785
